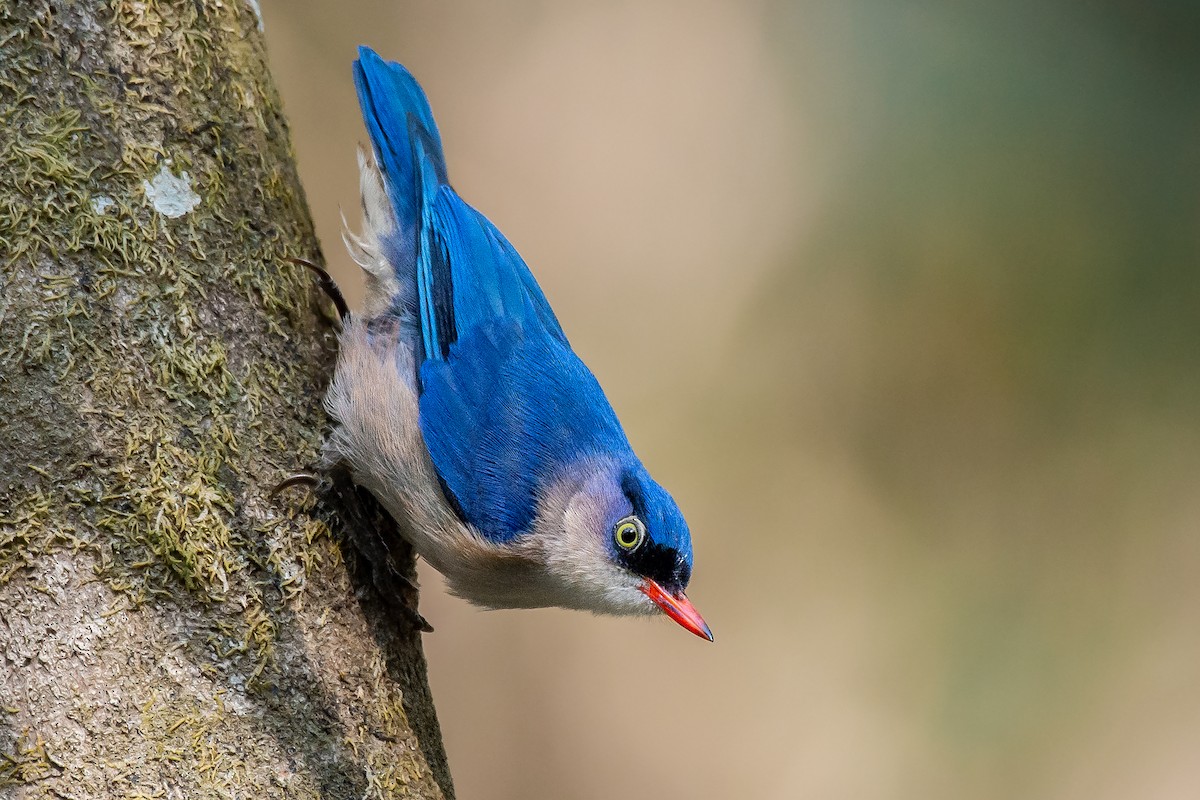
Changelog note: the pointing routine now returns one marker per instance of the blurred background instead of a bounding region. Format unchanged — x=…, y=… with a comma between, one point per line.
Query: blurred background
x=902, y=302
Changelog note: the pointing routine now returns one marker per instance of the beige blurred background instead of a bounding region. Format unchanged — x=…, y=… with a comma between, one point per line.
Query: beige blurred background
x=902, y=302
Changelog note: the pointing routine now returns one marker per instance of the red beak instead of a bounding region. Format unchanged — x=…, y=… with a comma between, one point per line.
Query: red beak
x=678, y=608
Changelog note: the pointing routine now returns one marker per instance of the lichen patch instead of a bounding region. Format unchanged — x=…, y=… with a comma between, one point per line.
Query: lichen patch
x=171, y=195
x=102, y=203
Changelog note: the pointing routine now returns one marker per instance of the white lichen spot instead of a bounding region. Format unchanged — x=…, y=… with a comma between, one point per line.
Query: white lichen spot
x=171, y=196
x=257, y=9
x=102, y=203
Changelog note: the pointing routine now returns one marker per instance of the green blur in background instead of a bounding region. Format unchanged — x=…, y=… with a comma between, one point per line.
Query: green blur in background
x=902, y=302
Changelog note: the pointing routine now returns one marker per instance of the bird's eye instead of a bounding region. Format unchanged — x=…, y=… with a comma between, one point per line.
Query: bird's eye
x=628, y=533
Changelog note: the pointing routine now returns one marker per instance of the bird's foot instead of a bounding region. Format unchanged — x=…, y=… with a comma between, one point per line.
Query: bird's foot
x=365, y=527
x=404, y=597
x=398, y=589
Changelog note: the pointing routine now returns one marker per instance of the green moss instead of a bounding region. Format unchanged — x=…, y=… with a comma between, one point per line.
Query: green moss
x=184, y=739
x=28, y=761
x=112, y=277
x=385, y=722
x=20, y=529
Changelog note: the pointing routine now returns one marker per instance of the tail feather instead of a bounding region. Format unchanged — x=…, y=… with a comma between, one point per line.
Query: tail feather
x=442, y=260
x=397, y=113
x=408, y=165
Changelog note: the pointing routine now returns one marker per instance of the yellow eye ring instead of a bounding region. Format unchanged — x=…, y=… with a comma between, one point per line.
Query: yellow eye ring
x=628, y=533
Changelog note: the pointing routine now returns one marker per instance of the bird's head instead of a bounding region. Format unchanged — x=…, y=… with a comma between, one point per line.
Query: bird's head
x=624, y=547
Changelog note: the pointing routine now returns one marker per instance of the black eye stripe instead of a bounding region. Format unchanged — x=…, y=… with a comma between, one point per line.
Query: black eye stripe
x=644, y=556
x=660, y=563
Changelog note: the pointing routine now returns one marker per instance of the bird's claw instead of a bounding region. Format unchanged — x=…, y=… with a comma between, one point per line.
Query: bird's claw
x=415, y=618
x=393, y=584
x=327, y=284
x=307, y=479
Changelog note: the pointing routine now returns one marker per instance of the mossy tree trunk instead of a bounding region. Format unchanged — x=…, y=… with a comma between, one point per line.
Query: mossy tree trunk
x=166, y=628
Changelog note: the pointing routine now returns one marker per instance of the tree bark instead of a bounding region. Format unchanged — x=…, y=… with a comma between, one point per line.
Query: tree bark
x=167, y=629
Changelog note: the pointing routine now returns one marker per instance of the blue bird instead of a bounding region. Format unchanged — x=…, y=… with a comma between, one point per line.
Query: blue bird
x=461, y=406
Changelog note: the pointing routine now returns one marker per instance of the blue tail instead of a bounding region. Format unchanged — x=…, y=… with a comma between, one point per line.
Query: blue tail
x=397, y=116
x=465, y=272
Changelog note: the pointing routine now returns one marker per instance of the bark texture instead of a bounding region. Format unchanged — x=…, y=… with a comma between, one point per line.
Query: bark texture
x=166, y=628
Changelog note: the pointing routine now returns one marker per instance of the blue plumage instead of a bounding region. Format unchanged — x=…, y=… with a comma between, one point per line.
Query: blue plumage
x=509, y=414
x=399, y=113
x=512, y=408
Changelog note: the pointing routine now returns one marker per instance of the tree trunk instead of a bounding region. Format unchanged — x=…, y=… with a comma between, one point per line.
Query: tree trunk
x=167, y=629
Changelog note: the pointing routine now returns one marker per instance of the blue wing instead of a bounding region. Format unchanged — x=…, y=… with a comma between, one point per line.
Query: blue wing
x=505, y=403
x=507, y=413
